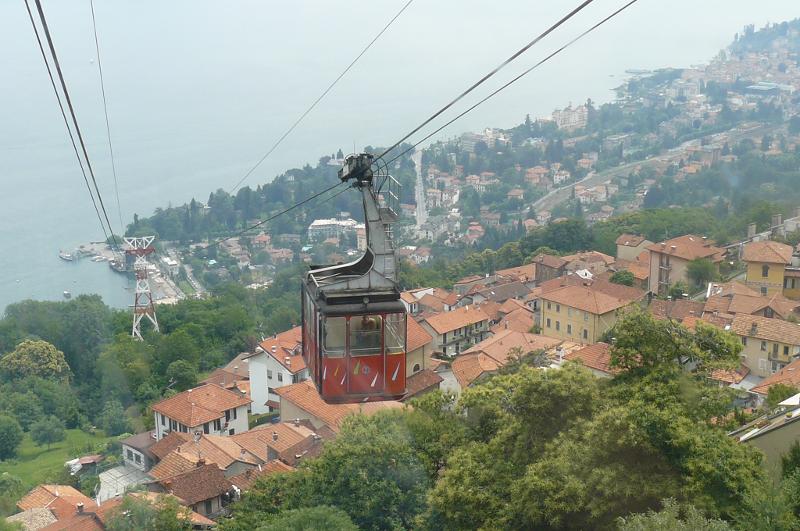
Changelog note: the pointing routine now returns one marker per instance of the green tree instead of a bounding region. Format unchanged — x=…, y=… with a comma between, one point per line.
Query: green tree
x=10, y=437
x=310, y=519
x=790, y=461
x=47, y=430
x=11, y=490
x=701, y=271
x=35, y=358
x=183, y=374
x=672, y=517
x=140, y=514
x=623, y=277
x=113, y=419
x=778, y=393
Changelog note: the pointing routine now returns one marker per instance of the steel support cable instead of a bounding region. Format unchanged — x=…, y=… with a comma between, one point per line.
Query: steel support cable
x=523, y=74
x=105, y=111
x=66, y=120
x=74, y=119
x=274, y=216
x=496, y=69
x=319, y=99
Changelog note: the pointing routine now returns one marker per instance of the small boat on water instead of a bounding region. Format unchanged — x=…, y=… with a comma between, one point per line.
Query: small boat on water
x=117, y=265
x=67, y=294
x=66, y=256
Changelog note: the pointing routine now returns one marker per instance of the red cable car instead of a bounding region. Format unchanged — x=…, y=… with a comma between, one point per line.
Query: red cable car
x=354, y=323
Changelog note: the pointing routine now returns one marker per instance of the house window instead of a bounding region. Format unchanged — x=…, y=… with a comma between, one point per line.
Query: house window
x=585, y=334
x=217, y=425
x=130, y=455
x=548, y=322
x=549, y=306
x=558, y=325
x=785, y=350
x=163, y=420
x=206, y=428
x=231, y=431
x=763, y=290
x=763, y=346
x=207, y=506
x=415, y=368
x=569, y=311
x=765, y=271
x=184, y=429
x=138, y=459
x=228, y=415
x=173, y=424
x=768, y=312
x=235, y=416
x=585, y=316
x=280, y=376
x=744, y=341
x=269, y=374
x=569, y=329
x=762, y=364
x=558, y=308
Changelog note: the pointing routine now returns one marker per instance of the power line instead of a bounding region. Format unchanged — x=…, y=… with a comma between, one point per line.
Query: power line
x=72, y=114
x=321, y=96
x=105, y=111
x=526, y=72
x=66, y=120
x=490, y=74
x=274, y=216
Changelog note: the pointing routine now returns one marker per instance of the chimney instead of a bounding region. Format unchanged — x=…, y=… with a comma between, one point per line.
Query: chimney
x=663, y=245
x=274, y=436
x=673, y=247
x=751, y=231
x=297, y=422
x=201, y=462
x=242, y=453
x=777, y=219
x=274, y=349
x=79, y=507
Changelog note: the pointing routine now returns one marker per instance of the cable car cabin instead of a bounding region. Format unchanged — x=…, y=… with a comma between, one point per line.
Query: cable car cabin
x=354, y=323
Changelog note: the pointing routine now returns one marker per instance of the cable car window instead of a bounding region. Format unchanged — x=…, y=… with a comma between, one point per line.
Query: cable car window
x=335, y=333
x=365, y=335
x=395, y=333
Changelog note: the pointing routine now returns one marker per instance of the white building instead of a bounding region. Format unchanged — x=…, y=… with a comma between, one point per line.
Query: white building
x=322, y=229
x=277, y=362
x=209, y=409
x=570, y=118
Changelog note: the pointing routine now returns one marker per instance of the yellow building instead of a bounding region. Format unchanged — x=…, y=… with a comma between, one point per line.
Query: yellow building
x=768, y=344
x=766, y=266
x=583, y=313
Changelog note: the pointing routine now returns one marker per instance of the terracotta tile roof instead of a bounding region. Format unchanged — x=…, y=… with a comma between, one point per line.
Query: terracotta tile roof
x=469, y=367
x=500, y=345
x=421, y=382
x=767, y=252
x=560, y=282
x=280, y=437
x=201, y=404
x=730, y=377
x=238, y=366
x=220, y=450
x=630, y=240
x=717, y=304
x=549, y=260
x=76, y=522
x=448, y=297
x=502, y=292
x=61, y=499
x=597, y=357
x=173, y=464
x=304, y=396
x=246, y=479
x=727, y=289
x=223, y=378
x=106, y=510
x=789, y=375
x=748, y=304
x=766, y=329
x=520, y=320
x=676, y=309
x=639, y=269
x=202, y=483
x=511, y=305
x=433, y=303
x=491, y=309
x=33, y=519
x=416, y=335
x=408, y=297
x=689, y=247
x=523, y=273
x=590, y=257
x=168, y=443
x=288, y=344
x=458, y=318
x=467, y=280
x=589, y=299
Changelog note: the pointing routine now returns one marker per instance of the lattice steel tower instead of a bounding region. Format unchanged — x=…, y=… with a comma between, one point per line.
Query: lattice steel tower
x=143, y=306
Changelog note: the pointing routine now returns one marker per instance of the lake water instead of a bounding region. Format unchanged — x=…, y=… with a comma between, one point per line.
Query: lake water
x=199, y=89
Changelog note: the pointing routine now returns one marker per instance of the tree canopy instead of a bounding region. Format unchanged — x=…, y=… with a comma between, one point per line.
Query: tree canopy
x=35, y=358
